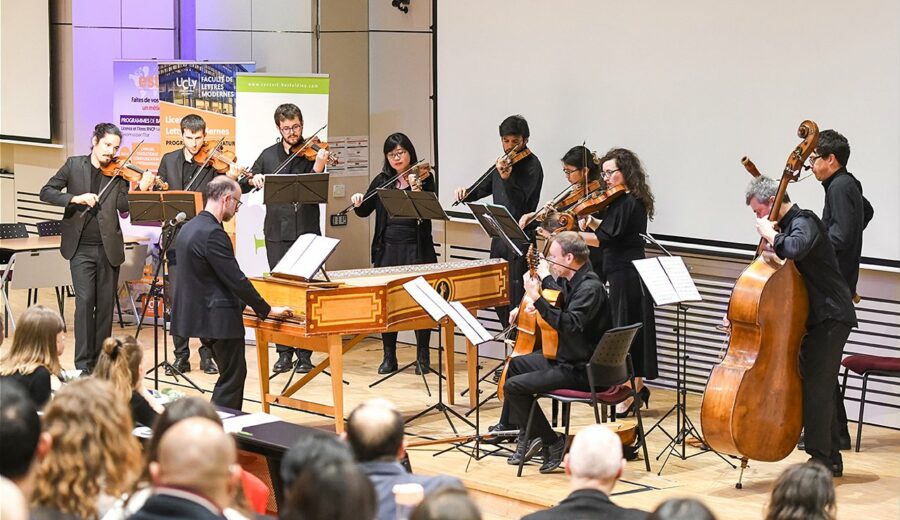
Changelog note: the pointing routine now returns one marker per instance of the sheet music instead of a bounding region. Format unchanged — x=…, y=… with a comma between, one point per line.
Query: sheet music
x=473, y=330
x=656, y=280
x=425, y=295
x=239, y=422
x=680, y=278
x=308, y=253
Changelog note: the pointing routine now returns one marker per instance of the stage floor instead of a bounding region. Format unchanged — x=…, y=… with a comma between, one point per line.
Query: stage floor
x=870, y=487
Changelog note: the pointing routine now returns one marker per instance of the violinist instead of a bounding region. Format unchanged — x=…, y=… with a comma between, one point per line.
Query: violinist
x=803, y=238
x=92, y=237
x=179, y=169
x=284, y=223
x=581, y=321
x=619, y=239
x=399, y=241
x=578, y=164
x=515, y=184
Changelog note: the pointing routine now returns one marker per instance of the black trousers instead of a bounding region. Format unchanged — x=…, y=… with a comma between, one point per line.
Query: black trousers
x=820, y=362
x=423, y=342
x=275, y=251
x=181, y=343
x=230, y=355
x=533, y=374
x=94, y=280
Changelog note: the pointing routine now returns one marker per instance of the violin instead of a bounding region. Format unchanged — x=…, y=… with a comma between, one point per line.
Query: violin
x=119, y=167
x=311, y=150
x=570, y=196
x=219, y=160
x=592, y=203
x=533, y=331
x=511, y=157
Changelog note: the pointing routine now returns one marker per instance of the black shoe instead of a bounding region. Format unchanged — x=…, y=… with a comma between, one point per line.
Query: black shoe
x=285, y=363
x=181, y=364
x=644, y=394
x=844, y=443
x=423, y=367
x=835, y=464
x=553, y=454
x=304, y=365
x=525, y=450
x=388, y=366
x=208, y=365
x=500, y=427
x=498, y=373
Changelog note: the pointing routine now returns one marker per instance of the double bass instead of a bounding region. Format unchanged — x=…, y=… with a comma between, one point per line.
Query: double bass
x=752, y=406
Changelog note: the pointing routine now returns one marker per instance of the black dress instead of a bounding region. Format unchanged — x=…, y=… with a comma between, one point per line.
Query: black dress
x=399, y=241
x=37, y=384
x=620, y=243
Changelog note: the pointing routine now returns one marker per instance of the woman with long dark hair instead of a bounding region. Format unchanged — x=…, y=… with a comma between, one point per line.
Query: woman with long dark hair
x=399, y=241
x=618, y=235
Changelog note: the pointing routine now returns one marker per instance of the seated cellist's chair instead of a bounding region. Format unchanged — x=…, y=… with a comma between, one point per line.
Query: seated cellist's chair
x=866, y=366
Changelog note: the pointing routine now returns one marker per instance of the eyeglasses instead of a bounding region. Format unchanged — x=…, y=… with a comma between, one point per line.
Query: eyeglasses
x=609, y=173
x=397, y=155
x=237, y=201
x=813, y=158
x=288, y=129
x=569, y=172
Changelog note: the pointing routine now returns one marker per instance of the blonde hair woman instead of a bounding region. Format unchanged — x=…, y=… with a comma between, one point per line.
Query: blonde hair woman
x=121, y=362
x=34, y=355
x=93, y=456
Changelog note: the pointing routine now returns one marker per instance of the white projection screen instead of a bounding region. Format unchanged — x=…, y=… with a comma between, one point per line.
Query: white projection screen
x=25, y=70
x=690, y=86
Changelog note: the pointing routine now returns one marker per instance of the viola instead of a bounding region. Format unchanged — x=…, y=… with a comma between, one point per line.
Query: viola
x=311, y=150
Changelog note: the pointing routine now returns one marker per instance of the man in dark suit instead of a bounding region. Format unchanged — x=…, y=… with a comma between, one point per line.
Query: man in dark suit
x=178, y=169
x=284, y=223
x=594, y=464
x=208, y=301
x=196, y=475
x=91, y=238
x=375, y=434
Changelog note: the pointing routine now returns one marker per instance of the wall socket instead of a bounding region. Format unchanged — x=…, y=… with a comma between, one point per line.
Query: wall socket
x=339, y=191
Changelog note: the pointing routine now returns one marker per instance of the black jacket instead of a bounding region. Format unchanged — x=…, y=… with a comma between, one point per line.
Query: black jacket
x=212, y=290
x=584, y=504
x=425, y=244
x=846, y=214
x=75, y=178
x=164, y=506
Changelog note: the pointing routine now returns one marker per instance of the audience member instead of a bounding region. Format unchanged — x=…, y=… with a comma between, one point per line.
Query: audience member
x=682, y=509
x=310, y=451
x=803, y=491
x=338, y=490
x=20, y=436
x=196, y=475
x=93, y=456
x=34, y=355
x=447, y=504
x=121, y=362
x=178, y=411
x=594, y=464
x=375, y=434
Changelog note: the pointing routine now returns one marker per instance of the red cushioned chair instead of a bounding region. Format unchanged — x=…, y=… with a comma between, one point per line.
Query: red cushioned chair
x=609, y=368
x=256, y=491
x=866, y=366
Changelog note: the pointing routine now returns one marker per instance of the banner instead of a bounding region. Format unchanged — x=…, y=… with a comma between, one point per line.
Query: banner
x=136, y=109
x=258, y=95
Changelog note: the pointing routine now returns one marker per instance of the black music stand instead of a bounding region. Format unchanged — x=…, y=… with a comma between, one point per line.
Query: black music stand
x=498, y=223
x=304, y=188
x=420, y=205
x=155, y=207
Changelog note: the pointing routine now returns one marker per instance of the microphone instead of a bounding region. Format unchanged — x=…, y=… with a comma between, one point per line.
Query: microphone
x=179, y=219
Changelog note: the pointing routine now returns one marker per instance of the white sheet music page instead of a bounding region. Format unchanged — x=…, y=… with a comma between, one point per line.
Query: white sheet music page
x=656, y=280
x=680, y=278
x=425, y=295
x=469, y=325
x=306, y=256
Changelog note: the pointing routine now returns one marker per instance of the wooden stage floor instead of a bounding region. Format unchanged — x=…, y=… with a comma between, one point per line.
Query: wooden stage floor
x=870, y=487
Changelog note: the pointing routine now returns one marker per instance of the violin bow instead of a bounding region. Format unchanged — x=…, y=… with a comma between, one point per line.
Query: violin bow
x=387, y=183
x=200, y=168
x=486, y=174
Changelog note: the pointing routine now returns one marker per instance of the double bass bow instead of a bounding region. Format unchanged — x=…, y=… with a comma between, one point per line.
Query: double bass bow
x=752, y=406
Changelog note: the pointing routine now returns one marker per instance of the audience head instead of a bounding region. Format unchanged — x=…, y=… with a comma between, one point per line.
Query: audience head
x=38, y=342
x=682, y=509
x=175, y=412
x=92, y=450
x=311, y=451
x=336, y=491
x=375, y=431
x=20, y=434
x=448, y=503
x=595, y=459
x=803, y=491
x=120, y=364
x=196, y=454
